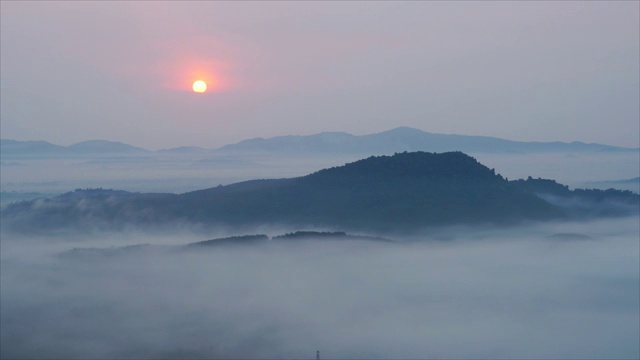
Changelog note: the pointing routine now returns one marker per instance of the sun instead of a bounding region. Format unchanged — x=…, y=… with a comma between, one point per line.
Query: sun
x=199, y=86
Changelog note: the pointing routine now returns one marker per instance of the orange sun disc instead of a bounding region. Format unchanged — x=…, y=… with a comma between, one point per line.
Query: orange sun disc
x=199, y=86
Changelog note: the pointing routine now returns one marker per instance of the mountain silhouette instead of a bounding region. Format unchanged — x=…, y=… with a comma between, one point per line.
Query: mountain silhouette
x=103, y=146
x=402, y=192
x=327, y=143
x=43, y=149
x=404, y=139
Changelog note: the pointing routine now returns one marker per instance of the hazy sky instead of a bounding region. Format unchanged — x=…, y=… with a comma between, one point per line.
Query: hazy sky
x=122, y=71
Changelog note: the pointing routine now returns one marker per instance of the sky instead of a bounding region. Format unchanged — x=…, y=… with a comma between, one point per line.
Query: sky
x=122, y=71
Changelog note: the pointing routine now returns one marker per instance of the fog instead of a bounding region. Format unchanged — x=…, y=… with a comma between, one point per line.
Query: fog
x=157, y=173
x=559, y=290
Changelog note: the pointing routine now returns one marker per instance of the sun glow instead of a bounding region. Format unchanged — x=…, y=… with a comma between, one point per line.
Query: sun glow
x=199, y=86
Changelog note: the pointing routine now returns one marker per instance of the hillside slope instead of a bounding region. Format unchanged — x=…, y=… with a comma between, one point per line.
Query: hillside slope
x=406, y=191
x=378, y=193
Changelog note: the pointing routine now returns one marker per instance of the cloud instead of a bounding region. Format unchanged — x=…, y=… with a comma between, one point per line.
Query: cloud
x=483, y=293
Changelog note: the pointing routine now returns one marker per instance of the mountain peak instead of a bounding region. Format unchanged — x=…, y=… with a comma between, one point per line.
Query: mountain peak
x=405, y=130
x=413, y=164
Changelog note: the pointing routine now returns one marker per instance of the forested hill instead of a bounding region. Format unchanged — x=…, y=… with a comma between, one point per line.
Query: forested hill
x=402, y=192
x=416, y=164
x=378, y=193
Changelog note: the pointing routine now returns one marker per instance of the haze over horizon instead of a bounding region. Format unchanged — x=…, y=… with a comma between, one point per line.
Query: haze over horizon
x=122, y=71
x=114, y=142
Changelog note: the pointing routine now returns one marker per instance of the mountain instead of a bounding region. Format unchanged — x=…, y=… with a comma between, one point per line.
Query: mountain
x=26, y=148
x=93, y=148
x=404, y=139
x=403, y=192
x=327, y=143
x=104, y=147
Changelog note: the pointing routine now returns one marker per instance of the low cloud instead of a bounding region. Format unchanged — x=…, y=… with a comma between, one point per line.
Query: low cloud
x=483, y=293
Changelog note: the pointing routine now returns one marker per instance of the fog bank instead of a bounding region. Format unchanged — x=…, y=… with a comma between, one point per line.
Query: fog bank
x=518, y=293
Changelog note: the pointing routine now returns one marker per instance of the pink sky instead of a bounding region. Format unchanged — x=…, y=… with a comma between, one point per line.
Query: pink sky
x=122, y=71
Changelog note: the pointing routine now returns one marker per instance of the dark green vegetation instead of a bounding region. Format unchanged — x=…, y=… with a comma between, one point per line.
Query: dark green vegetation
x=403, y=192
x=582, y=203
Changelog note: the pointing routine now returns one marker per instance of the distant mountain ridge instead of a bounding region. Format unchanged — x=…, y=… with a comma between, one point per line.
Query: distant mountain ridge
x=405, y=139
x=327, y=143
x=26, y=149
x=403, y=192
x=104, y=146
